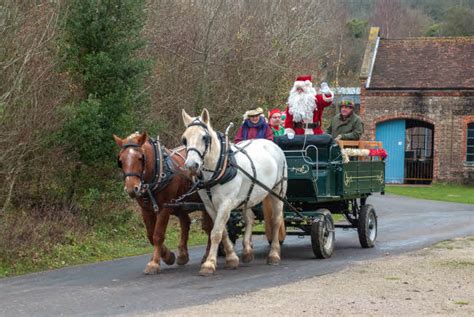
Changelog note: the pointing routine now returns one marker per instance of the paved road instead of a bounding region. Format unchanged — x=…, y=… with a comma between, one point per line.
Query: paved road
x=118, y=287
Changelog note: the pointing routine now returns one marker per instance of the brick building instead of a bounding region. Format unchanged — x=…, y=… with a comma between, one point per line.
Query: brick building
x=417, y=96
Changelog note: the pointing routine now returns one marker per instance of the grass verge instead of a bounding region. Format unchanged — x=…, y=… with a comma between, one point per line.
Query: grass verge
x=101, y=243
x=441, y=192
x=33, y=246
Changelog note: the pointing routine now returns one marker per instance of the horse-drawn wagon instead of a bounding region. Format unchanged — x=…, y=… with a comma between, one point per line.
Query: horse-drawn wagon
x=321, y=183
x=299, y=181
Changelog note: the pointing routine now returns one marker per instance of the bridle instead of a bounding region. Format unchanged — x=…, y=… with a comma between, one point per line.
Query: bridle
x=206, y=138
x=119, y=163
x=161, y=173
x=224, y=171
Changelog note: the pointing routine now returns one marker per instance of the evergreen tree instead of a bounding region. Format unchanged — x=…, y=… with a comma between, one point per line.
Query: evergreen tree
x=101, y=41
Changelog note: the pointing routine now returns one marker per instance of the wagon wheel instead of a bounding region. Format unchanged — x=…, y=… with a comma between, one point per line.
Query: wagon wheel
x=322, y=235
x=367, y=228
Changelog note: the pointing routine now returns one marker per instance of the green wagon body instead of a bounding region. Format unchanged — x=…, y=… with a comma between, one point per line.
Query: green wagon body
x=319, y=181
x=319, y=176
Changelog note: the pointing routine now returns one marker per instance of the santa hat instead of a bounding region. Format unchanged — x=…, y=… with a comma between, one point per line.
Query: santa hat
x=304, y=78
x=302, y=81
x=272, y=112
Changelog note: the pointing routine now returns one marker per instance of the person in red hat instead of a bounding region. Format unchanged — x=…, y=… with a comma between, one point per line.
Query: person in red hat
x=305, y=107
x=274, y=119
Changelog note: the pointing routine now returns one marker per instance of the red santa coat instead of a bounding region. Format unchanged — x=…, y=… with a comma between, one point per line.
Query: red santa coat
x=317, y=115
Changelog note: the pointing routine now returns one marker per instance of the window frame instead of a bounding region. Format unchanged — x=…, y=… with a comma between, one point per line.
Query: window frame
x=469, y=128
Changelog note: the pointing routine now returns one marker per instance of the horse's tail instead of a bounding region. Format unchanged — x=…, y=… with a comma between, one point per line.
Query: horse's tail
x=267, y=216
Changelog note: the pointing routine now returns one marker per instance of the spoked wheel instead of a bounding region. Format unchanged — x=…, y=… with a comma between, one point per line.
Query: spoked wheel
x=322, y=235
x=367, y=228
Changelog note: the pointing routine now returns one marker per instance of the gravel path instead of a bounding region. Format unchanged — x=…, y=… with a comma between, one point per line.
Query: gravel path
x=433, y=281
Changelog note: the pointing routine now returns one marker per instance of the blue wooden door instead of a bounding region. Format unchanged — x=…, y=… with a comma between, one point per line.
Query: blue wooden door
x=392, y=134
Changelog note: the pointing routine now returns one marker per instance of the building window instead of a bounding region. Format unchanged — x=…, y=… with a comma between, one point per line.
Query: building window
x=470, y=143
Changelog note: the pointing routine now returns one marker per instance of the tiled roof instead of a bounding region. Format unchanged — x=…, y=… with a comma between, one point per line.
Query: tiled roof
x=424, y=63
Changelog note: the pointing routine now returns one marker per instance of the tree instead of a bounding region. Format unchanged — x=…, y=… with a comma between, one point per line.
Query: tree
x=31, y=91
x=101, y=42
x=357, y=28
x=397, y=20
x=459, y=21
x=230, y=56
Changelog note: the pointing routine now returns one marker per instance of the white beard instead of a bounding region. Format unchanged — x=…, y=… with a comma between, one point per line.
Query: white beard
x=302, y=105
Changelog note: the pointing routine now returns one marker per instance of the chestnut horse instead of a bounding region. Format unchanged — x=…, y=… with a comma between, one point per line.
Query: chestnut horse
x=137, y=159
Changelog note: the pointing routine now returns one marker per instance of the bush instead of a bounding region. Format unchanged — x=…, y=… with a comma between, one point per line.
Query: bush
x=55, y=238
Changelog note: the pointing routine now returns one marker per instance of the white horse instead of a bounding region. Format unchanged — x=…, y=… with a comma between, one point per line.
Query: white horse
x=203, y=148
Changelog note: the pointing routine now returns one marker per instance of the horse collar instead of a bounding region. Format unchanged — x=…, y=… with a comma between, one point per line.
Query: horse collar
x=224, y=171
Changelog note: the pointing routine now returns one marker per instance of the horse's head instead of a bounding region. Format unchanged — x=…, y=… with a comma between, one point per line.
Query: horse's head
x=198, y=140
x=131, y=160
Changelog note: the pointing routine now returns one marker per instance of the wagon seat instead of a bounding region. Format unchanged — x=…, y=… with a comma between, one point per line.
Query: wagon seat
x=319, y=154
x=327, y=149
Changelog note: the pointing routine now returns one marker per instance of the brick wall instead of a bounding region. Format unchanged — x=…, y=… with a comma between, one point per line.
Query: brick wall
x=448, y=111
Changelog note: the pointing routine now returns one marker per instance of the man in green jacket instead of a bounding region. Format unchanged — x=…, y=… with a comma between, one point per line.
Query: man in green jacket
x=346, y=125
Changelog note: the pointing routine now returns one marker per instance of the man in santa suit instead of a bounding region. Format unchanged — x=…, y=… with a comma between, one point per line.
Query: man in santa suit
x=305, y=107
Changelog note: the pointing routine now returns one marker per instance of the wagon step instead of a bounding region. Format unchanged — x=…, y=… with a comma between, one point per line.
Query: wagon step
x=344, y=226
x=330, y=197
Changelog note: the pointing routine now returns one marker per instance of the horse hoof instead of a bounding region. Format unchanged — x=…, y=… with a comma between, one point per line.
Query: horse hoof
x=206, y=271
x=170, y=260
x=208, y=268
x=232, y=262
x=152, y=268
x=182, y=259
x=248, y=257
x=273, y=260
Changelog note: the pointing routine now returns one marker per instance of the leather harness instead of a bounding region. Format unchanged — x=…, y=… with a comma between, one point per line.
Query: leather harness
x=227, y=168
x=162, y=172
